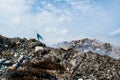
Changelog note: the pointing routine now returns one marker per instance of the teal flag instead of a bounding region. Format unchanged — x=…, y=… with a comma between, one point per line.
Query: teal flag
x=39, y=37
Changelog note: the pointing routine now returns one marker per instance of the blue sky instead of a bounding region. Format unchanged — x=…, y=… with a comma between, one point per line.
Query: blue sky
x=61, y=20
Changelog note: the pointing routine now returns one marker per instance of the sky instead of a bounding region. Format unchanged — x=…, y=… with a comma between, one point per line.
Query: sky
x=61, y=20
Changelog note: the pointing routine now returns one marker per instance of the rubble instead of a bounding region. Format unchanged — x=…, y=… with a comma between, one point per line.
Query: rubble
x=22, y=59
x=64, y=48
x=38, y=48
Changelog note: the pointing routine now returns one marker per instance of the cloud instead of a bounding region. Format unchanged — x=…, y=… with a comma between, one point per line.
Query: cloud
x=63, y=32
x=56, y=20
x=115, y=33
x=16, y=20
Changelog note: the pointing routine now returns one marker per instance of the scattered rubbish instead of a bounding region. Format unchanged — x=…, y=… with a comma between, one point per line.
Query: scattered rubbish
x=64, y=48
x=86, y=59
x=17, y=64
x=38, y=48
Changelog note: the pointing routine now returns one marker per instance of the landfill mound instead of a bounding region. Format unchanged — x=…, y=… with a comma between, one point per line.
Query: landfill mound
x=96, y=46
x=22, y=59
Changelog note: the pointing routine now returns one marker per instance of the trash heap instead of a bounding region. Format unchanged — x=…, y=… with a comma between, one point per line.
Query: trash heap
x=22, y=59
x=86, y=45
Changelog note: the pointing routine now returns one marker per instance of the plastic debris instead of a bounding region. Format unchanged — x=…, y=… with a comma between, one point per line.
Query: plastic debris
x=86, y=59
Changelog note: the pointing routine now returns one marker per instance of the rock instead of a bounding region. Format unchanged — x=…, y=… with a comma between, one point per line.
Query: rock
x=106, y=45
x=6, y=46
x=17, y=64
x=7, y=63
x=38, y=48
x=64, y=48
x=20, y=59
x=2, y=61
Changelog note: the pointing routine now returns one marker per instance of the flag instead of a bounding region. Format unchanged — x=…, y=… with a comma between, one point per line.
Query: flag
x=39, y=37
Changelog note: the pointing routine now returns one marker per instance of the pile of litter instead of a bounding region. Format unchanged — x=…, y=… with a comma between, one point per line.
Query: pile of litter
x=86, y=45
x=22, y=59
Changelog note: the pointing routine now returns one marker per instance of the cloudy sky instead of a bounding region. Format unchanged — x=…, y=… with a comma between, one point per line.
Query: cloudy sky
x=61, y=20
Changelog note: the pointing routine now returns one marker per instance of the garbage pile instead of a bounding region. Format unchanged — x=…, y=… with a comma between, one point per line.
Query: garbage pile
x=22, y=59
x=86, y=45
